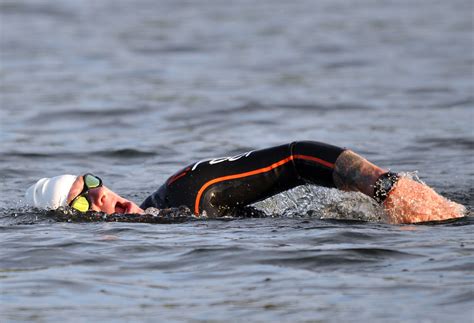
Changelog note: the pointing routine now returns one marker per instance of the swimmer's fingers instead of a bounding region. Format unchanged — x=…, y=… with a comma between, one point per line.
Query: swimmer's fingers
x=411, y=202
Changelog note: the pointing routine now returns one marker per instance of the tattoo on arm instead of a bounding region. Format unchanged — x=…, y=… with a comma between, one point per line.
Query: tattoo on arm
x=354, y=173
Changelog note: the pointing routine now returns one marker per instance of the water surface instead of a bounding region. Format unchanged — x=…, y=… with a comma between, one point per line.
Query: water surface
x=132, y=91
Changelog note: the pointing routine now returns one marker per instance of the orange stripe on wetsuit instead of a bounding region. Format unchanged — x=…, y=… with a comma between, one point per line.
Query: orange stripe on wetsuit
x=256, y=172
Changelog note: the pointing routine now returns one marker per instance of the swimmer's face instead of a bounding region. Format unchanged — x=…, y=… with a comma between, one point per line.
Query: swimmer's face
x=103, y=199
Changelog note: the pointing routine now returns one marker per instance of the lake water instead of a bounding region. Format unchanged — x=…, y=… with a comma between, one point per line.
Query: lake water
x=133, y=91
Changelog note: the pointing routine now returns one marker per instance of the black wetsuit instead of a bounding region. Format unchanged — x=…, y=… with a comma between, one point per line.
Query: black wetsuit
x=220, y=185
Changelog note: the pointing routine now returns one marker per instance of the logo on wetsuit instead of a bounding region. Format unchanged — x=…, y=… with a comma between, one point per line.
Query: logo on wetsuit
x=222, y=159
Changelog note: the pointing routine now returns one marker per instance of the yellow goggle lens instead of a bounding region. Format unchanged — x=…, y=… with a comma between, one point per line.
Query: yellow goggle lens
x=91, y=181
x=81, y=204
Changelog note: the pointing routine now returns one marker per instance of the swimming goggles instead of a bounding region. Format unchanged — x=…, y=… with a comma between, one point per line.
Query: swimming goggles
x=82, y=202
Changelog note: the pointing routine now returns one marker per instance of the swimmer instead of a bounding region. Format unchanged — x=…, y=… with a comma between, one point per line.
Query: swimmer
x=222, y=185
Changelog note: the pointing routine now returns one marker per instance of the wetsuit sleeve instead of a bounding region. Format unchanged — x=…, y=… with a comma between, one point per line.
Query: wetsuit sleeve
x=219, y=185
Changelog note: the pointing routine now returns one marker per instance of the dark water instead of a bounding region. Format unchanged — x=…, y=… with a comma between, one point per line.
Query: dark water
x=135, y=90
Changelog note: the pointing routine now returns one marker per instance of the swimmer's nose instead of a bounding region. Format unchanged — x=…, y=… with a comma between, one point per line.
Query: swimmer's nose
x=98, y=196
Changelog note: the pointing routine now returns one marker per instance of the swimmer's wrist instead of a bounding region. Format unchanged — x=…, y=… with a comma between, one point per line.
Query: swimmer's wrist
x=384, y=185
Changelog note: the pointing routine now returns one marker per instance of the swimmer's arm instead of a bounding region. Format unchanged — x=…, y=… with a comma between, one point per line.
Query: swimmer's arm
x=355, y=173
x=408, y=201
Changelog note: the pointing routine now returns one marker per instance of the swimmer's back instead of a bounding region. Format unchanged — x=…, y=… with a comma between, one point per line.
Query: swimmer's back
x=219, y=185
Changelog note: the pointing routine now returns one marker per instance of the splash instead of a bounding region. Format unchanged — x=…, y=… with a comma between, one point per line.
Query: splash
x=322, y=203
x=412, y=201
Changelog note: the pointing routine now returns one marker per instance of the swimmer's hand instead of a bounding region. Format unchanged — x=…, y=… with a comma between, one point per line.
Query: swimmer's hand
x=411, y=202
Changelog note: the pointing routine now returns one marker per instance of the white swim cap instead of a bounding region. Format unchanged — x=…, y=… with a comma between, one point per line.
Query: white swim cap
x=50, y=193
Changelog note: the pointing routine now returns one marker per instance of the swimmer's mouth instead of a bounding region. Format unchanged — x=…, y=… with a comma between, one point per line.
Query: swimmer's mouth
x=123, y=208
